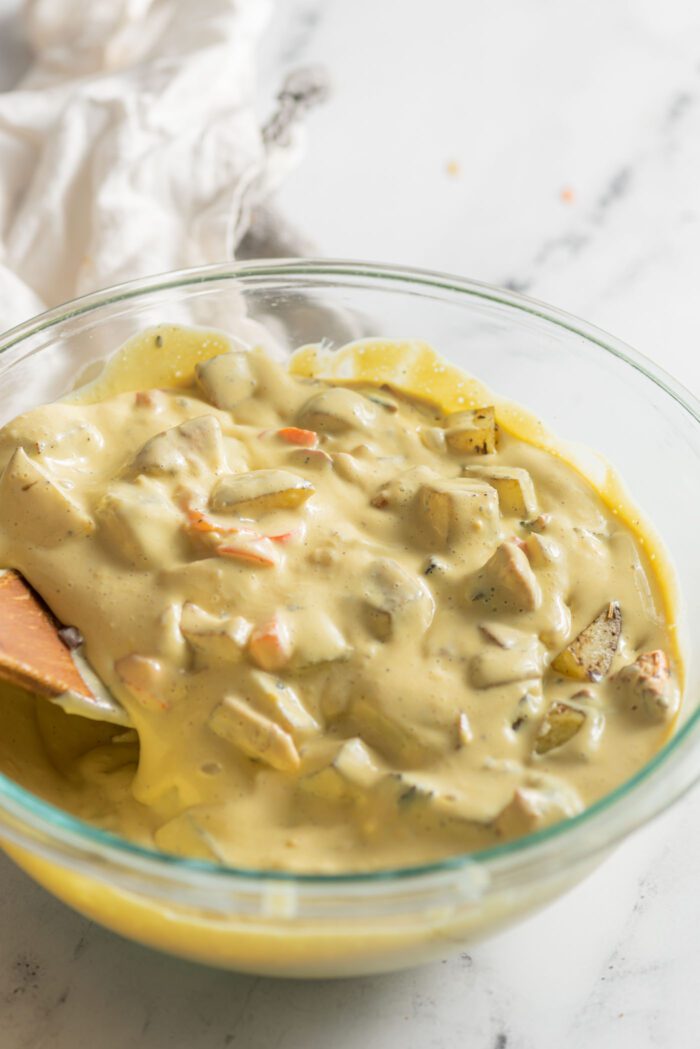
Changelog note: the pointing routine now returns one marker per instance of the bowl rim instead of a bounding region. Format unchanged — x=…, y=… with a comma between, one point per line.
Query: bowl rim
x=46, y=818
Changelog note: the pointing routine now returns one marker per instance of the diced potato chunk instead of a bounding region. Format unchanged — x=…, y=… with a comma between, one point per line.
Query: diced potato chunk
x=399, y=740
x=74, y=444
x=336, y=411
x=646, y=688
x=399, y=492
x=310, y=459
x=526, y=812
x=195, y=446
x=356, y=763
x=559, y=725
x=507, y=583
x=589, y=656
x=542, y=552
x=259, y=492
x=317, y=639
x=425, y=801
x=502, y=635
x=516, y=492
x=472, y=432
x=537, y=805
x=433, y=438
x=222, y=638
x=455, y=509
x=279, y=701
x=34, y=508
x=546, y=557
x=146, y=680
x=353, y=771
x=255, y=735
x=226, y=380
x=396, y=602
x=350, y=468
x=138, y=521
x=522, y=661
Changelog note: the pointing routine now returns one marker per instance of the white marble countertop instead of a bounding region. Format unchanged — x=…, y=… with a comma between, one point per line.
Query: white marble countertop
x=556, y=148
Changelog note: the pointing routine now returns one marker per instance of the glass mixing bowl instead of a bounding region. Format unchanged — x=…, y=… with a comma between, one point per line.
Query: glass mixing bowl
x=587, y=387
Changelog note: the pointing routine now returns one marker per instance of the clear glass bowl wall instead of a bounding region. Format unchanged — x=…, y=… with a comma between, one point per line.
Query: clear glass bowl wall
x=587, y=387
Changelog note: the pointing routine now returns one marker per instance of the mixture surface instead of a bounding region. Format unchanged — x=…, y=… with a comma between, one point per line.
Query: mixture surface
x=350, y=631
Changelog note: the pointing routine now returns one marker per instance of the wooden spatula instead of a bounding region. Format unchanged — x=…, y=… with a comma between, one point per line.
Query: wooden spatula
x=40, y=655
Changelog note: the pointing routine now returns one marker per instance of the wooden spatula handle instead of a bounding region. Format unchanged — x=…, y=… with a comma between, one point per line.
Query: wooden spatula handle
x=32, y=653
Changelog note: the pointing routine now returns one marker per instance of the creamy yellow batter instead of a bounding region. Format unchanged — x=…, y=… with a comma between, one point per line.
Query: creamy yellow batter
x=351, y=629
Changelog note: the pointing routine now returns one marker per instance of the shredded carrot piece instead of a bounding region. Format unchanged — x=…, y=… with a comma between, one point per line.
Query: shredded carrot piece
x=244, y=555
x=199, y=522
x=295, y=435
x=244, y=552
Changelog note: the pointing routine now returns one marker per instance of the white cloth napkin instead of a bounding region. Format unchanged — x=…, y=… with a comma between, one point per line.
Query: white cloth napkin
x=133, y=145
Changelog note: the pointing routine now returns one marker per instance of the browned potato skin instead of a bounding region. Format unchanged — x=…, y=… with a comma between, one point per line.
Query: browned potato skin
x=516, y=492
x=472, y=432
x=590, y=655
x=645, y=686
x=560, y=724
x=260, y=491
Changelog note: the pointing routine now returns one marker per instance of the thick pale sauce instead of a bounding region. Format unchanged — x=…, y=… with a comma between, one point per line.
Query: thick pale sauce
x=331, y=615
